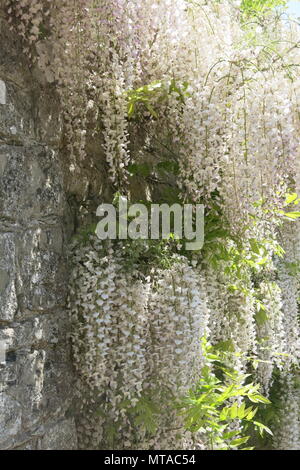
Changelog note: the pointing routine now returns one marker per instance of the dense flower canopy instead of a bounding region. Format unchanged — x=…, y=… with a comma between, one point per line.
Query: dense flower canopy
x=218, y=84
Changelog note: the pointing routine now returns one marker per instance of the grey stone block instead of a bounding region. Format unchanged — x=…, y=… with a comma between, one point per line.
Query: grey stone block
x=61, y=436
x=30, y=184
x=42, y=273
x=2, y=92
x=16, y=121
x=8, y=294
x=10, y=417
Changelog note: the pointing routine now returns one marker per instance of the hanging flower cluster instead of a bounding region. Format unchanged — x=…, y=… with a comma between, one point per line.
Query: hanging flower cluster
x=134, y=334
x=287, y=435
x=271, y=333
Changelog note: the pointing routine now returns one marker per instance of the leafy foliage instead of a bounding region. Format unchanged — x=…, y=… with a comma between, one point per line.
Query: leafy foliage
x=215, y=407
x=258, y=7
x=153, y=94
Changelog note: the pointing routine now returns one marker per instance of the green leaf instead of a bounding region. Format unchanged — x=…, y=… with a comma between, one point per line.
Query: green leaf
x=291, y=198
x=290, y=215
x=141, y=169
x=263, y=428
x=225, y=346
x=151, y=110
x=233, y=411
x=224, y=413
x=229, y=435
x=241, y=411
x=251, y=413
x=131, y=108
x=261, y=317
x=254, y=246
x=240, y=441
x=168, y=166
x=259, y=399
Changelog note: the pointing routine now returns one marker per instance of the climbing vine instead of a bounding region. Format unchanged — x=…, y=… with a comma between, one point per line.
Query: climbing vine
x=201, y=98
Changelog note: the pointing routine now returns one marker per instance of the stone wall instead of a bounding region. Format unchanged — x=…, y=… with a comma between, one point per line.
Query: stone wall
x=35, y=224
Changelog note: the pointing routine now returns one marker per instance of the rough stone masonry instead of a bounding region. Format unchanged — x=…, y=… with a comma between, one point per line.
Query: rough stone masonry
x=36, y=377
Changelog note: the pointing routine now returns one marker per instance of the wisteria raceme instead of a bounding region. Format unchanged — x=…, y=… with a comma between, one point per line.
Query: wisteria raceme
x=217, y=294
x=178, y=317
x=108, y=343
x=287, y=435
x=289, y=284
x=271, y=334
x=134, y=334
x=231, y=317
